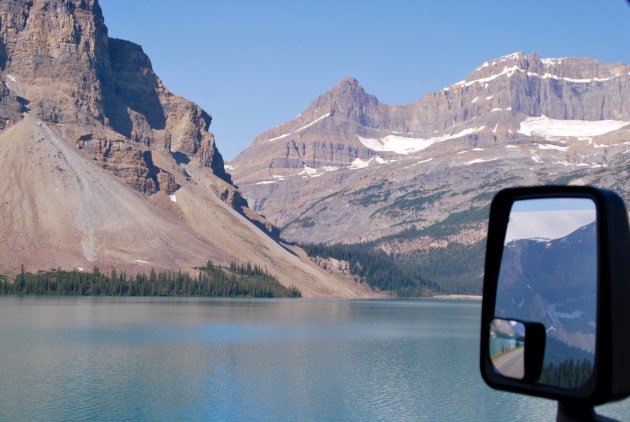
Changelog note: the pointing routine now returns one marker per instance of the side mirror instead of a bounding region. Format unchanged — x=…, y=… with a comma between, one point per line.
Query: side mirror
x=556, y=299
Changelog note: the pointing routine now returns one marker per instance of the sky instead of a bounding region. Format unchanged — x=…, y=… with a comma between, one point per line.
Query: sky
x=548, y=218
x=255, y=64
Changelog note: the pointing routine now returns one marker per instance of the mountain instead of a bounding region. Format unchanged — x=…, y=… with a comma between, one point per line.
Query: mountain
x=415, y=180
x=101, y=165
x=553, y=282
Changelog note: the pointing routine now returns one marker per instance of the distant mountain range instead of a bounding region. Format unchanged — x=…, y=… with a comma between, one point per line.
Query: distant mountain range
x=415, y=180
x=101, y=165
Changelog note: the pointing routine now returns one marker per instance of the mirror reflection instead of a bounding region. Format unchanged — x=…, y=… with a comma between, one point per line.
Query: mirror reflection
x=507, y=347
x=548, y=274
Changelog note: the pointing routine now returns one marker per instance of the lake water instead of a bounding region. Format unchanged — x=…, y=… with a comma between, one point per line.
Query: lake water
x=64, y=359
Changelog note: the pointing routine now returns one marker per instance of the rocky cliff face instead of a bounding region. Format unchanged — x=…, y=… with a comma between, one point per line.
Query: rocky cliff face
x=101, y=165
x=415, y=180
x=58, y=56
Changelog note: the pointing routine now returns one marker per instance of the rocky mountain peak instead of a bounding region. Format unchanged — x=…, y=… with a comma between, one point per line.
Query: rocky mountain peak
x=519, y=64
x=57, y=57
x=517, y=60
x=348, y=87
x=44, y=45
x=348, y=99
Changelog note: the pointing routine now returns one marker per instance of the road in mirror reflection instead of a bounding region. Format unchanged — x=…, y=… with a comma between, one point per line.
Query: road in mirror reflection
x=507, y=347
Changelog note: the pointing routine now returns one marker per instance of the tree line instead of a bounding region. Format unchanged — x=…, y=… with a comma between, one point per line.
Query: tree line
x=237, y=280
x=376, y=268
x=567, y=374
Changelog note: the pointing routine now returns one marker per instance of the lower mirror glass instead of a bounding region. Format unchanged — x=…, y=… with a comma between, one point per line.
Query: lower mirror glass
x=507, y=347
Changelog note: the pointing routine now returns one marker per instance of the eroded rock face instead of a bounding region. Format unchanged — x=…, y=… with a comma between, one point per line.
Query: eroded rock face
x=57, y=55
x=11, y=107
x=57, y=51
x=332, y=264
x=101, y=165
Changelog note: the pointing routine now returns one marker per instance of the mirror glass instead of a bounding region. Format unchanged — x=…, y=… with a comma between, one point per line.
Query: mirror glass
x=507, y=347
x=548, y=275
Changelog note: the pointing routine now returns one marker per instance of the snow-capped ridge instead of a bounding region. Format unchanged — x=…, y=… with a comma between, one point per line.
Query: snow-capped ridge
x=513, y=64
x=300, y=129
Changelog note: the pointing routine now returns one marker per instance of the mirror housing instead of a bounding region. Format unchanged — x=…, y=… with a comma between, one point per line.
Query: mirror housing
x=609, y=379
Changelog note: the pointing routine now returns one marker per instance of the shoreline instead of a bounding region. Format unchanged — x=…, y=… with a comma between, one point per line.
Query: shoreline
x=457, y=297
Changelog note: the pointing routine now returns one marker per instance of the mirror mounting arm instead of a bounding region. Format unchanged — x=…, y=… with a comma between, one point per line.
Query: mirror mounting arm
x=574, y=412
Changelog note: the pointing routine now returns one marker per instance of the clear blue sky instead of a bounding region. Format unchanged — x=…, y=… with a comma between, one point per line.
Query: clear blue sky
x=255, y=64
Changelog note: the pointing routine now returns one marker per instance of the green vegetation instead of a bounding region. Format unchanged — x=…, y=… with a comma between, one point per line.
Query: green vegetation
x=370, y=195
x=452, y=224
x=377, y=268
x=567, y=374
x=306, y=223
x=442, y=229
x=457, y=269
x=235, y=281
x=415, y=200
x=568, y=178
x=301, y=219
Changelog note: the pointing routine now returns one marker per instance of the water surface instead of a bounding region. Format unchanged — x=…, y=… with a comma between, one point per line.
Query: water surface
x=235, y=359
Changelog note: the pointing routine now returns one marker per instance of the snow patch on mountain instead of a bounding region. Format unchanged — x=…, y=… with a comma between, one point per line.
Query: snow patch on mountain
x=551, y=146
x=308, y=171
x=510, y=71
x=300, y=129
x=552, y=61
x=479, y=160
x=403, y=145
x=545, y=127
x=609, y=145
x=360, y=164
x=470, y=150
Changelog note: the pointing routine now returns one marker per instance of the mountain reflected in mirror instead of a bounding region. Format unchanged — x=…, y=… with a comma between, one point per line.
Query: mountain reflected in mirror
x=548, y=275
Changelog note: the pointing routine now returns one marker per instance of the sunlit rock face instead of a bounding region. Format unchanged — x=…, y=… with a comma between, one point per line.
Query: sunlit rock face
x=57, y=55
x=417, y=178
x=101, y=165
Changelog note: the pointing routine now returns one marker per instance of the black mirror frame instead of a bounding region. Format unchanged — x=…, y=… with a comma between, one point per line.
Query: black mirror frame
x=610, y=379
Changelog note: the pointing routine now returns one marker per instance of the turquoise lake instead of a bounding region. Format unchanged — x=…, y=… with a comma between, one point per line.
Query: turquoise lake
x=64, y=359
